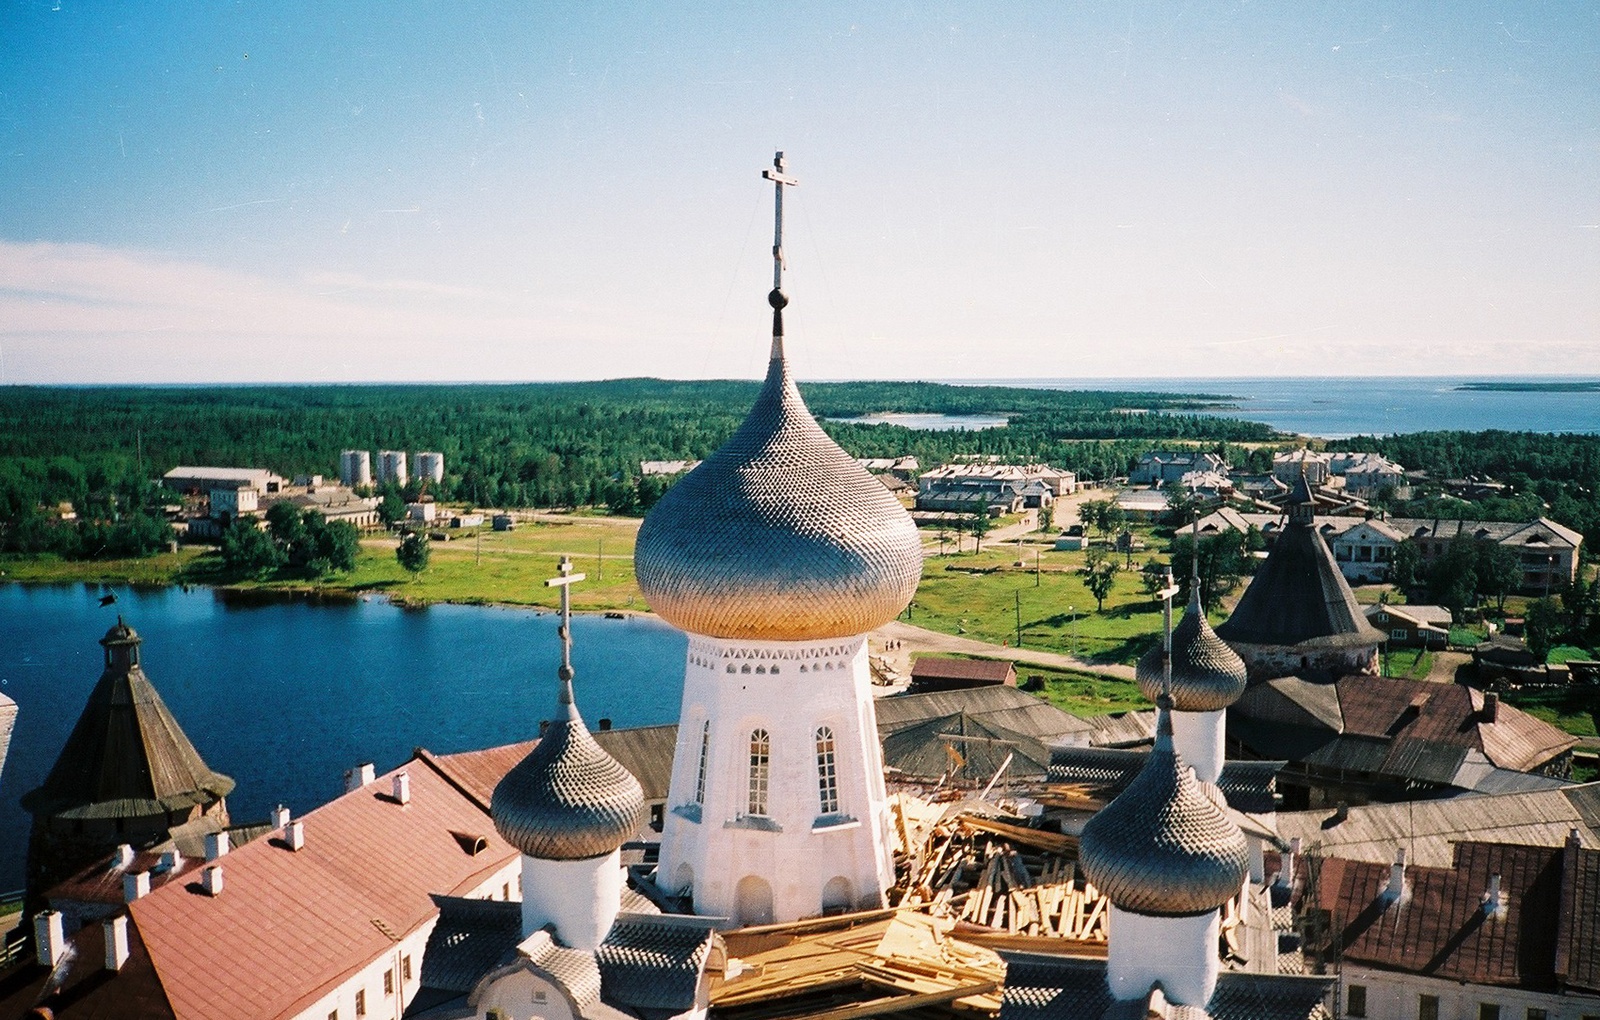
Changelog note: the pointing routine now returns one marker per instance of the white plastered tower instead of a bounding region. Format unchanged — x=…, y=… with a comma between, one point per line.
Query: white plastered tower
x=777, y=555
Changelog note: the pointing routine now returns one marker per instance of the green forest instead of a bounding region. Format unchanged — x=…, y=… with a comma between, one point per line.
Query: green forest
x=100, y=449
x=530, y=445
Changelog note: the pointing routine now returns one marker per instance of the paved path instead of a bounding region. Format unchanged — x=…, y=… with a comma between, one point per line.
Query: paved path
x=912, y=638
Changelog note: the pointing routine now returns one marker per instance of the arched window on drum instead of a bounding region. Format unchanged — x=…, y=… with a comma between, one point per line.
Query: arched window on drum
x=827, y=772
x=760, y=767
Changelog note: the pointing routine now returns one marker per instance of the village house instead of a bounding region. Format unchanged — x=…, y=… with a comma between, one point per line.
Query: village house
x=1412, y=626
x=1289, y=465
x=1163, y=467
x=1001, y=488
x=1547, y=552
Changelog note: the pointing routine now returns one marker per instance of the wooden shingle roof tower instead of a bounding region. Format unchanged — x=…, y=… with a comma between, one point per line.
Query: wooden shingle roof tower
x=127, y=774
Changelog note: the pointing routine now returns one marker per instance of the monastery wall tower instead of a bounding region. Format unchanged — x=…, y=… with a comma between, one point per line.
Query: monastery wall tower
x=777, y=555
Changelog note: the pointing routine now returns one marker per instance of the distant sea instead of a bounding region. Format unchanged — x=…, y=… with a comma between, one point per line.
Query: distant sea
x=1342, y=406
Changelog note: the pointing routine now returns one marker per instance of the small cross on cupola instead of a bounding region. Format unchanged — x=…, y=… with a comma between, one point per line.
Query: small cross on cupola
x=777, y=299
x=565, y=583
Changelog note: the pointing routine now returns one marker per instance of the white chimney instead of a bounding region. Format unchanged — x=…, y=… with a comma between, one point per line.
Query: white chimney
x=135, y=886
x=49, y=938
x=171, y=860
x=361, y=775
x=217, y=845
x=1287, y=871
x=1396, y=889
x=211, y=880
x=116, y=933
x=124, y=857
x=402, y=787
x=1494, y=903
x=280, y=817
x=295, y=834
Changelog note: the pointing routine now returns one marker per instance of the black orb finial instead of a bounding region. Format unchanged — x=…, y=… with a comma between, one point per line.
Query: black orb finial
x=778, y=300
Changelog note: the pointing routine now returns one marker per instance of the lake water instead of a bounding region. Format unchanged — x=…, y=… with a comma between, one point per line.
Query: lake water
x=933, y=422
x=1339, y=407
x=284, y=697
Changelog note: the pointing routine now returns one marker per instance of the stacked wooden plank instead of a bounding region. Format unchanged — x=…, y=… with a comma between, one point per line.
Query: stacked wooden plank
x=855, y=966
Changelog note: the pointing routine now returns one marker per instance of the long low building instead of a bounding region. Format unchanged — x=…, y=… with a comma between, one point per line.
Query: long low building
x=202, y=480
x=1547, y=552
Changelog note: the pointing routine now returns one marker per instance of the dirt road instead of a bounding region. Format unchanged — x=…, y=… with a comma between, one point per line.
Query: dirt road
x=896, y=641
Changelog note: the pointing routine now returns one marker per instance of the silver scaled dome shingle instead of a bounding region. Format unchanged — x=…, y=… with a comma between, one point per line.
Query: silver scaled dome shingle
x=568, y=799
x=779, y=535
x=1207, y=675
x=1164, y=847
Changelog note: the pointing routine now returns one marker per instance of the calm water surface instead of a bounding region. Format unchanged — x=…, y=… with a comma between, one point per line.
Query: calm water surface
x=1337, y=407
x=284, y=697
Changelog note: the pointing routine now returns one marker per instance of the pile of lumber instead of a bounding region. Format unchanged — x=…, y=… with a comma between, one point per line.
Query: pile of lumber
x=854, y=966
x=1002, y=877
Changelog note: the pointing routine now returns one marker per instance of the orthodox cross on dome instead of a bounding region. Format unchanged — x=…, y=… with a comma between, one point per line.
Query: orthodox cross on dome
x=1168, y=590
x=777, y=299
x=565, y=583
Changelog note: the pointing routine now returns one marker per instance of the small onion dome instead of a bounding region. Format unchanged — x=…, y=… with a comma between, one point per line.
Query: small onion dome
x=1163, y=847
x=1207, y=675
x=779, y=535
x=568, y=799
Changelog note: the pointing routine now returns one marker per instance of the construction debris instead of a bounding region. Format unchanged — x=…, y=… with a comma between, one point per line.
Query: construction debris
x=997, y=877
x=855, y=965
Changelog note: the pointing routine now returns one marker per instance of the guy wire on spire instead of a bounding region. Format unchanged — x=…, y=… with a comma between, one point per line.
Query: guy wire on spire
x=777, y=299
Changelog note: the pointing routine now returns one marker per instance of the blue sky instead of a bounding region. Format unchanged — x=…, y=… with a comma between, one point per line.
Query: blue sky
x=348, y=192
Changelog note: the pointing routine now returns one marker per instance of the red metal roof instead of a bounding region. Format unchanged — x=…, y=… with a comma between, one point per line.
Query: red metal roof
x=290, y=925
x=1442, y=930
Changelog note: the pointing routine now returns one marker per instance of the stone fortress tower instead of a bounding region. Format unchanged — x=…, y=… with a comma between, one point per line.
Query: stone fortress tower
x=1299, y=617
x=127, y=774
x=777, y=555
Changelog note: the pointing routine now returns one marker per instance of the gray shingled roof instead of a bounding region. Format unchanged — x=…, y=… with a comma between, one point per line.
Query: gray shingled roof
x=654, y=964
x=471, y=938
x=568, y=799
x=1163, y=846
x=127, y=756
x=779, y=534
x=1064, y=988
x=1299, y=597
x=1248, y=786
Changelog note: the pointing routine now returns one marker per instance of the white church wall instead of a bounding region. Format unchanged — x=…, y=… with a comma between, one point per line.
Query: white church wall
x=581, y=898
x=1398, y=996
x=402, y=961
x=787, y=690
x=1179, y=953
x=1198, y=738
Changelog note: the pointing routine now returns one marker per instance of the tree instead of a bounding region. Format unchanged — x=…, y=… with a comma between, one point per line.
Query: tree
x=1406, y=567
x=1497, y=572
x=1222, y=562
x=1152, y=577
x=1542, y=627
x=1182, y=504
x=248, y=549
x=1453, y=577
x=1099, y=573
x=980, y=527
x=1047, y=516
x=392, y=508
x=413, y=552
x=285, y=524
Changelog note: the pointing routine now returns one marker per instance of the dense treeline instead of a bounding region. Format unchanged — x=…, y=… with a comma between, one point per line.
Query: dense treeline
x=1557, y=476
x=556, y=444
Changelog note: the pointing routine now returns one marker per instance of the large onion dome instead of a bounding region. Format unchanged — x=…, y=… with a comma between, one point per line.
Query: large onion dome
x=1207, y=675
x=1163, y=846
x=779, y=535
x=568, y=799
